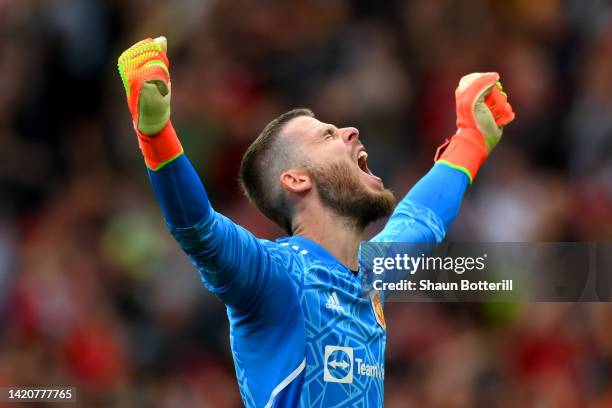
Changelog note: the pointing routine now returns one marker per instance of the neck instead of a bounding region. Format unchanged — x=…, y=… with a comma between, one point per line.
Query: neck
x=337, y=235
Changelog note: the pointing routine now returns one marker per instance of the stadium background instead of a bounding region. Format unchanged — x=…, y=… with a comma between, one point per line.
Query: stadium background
x=93, y=291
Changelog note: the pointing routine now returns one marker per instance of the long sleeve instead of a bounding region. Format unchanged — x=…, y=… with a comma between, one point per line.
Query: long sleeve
x=429, y=208
x=233, y=263
x=251, y=276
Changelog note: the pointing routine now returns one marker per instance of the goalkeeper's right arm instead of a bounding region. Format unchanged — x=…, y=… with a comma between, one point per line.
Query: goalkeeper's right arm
x=221, y=250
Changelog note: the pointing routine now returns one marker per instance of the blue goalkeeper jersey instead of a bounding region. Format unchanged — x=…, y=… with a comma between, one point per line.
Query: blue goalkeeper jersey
x=302, y=330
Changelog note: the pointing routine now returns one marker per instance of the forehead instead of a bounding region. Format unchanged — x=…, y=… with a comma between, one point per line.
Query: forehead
x=303, y=128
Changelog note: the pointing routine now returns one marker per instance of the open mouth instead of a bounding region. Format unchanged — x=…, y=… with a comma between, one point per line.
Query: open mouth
x=362, y=163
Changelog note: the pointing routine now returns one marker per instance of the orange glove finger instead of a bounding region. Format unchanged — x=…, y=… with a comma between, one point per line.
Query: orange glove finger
x=506, y=117
x=142, y=52
x=466, y=95
x=145, y=60
x=497, y=102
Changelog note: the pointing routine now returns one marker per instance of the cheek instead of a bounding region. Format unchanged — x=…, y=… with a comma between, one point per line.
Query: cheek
x=331, y=151
x=331, y=158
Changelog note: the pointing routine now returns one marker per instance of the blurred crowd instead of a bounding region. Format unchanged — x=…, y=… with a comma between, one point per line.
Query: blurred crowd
x=93, y=291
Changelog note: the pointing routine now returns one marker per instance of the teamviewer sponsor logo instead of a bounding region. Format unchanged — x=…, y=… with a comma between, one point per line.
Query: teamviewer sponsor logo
x=338, y=364
x=334, y=303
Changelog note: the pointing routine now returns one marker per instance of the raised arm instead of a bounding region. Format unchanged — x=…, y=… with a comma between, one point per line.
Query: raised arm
x=430, y=208
x=232, y=262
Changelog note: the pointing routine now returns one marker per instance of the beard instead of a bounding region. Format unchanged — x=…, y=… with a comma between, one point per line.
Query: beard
x=341, y=191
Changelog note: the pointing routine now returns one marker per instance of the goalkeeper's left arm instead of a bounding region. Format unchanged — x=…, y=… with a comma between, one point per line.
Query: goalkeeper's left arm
x=430, y=208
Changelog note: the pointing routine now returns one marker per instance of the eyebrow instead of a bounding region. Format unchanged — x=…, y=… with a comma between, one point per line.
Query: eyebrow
x=328, y=130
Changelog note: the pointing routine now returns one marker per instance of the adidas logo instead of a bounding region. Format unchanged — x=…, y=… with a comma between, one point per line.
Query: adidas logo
x=334, y=303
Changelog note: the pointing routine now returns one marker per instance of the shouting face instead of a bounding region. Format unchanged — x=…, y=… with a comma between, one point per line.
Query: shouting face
x=337, y=162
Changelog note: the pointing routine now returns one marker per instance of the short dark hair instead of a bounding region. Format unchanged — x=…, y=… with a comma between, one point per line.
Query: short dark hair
x=262, y=164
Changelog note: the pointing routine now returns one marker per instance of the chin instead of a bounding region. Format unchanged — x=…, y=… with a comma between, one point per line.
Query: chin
x=360, y=197
x=372, y=183
x=386, y=195
x=375, y=201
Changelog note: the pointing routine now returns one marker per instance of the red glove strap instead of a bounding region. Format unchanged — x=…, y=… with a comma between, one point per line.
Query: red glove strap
x=160, y=149
x=465, y=152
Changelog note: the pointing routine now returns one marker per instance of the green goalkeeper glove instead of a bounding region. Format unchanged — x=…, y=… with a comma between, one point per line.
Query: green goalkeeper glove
x=144, y=72
x=482, y=112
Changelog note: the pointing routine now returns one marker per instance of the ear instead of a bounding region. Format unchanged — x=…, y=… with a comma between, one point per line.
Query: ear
x=295, y=181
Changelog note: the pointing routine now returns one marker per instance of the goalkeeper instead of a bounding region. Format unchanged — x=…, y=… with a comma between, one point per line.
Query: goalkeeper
x=301, y=334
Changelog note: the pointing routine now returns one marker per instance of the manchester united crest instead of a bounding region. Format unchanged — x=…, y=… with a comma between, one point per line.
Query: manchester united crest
x=377, y=307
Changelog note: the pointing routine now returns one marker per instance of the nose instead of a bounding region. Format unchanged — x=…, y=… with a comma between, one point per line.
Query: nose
x=350, y=135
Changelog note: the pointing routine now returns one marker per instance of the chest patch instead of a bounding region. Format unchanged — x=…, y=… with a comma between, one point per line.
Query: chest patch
x=378, y=308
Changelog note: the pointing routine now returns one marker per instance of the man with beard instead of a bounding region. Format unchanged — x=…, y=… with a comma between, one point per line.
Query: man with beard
x=301, y=332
